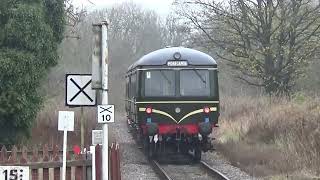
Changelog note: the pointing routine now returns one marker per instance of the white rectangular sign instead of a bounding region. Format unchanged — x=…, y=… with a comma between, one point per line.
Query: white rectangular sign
x=97, y=136
x=177, y=63
x=14, y=173
x=78, y=90
x=105, y=113
x=66, y=121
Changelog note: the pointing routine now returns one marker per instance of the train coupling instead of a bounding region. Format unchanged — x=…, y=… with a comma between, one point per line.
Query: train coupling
x=205, y=128
x=152, y=129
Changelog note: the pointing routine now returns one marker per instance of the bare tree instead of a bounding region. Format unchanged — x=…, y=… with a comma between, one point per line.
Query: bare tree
x=175, y=32
x=73, y=17
x=133, y=32
x=269, y=42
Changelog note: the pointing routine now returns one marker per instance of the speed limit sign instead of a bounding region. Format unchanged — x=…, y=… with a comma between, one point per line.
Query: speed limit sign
x=105, y=113
x=14, y=173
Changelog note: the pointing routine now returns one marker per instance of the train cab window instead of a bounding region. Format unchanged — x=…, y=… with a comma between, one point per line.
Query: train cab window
x=159, y=83
x=194, y=82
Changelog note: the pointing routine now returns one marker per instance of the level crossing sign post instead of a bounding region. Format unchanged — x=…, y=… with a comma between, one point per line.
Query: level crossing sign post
x=65, y=124
x=79, y=94
x=100, y=63
x=105, y=113
x=78, y=90
x=96, y=139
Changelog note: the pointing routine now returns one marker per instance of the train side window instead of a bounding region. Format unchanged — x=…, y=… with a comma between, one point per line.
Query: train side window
x=133, y=82
x=130, y=87
x=127, y=87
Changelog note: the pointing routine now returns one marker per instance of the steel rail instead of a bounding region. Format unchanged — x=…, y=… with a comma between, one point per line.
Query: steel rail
x=159, y=170
x=213, y=172
x=163, y=175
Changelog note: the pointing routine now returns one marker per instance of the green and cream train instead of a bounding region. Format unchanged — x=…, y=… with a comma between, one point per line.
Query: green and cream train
x=172, y=101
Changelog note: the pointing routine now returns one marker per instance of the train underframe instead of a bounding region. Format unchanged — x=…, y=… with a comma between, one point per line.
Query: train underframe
x=164, y=139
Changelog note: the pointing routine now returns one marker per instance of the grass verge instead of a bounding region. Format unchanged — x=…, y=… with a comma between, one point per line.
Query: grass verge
x=271, y=138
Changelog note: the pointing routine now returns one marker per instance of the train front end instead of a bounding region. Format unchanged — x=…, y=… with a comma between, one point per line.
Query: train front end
x=178, y=104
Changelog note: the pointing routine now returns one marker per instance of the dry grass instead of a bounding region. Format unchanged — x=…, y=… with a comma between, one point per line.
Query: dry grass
x=267, y=137
x=45, y=130
x=271, y=137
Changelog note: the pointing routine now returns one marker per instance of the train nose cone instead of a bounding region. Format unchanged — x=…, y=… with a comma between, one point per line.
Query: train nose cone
x=178, y=110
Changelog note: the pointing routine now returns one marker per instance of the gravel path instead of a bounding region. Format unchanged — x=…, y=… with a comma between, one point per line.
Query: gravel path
x=217, y=162
x=134, y=165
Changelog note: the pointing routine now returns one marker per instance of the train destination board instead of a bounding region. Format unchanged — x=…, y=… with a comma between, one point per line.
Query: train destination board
x=177, y=63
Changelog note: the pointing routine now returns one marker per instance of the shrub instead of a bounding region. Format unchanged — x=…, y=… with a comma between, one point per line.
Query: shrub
x=285, y=131
x=28, y=48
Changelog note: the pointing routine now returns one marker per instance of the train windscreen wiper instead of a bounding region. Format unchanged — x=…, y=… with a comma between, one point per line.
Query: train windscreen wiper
x=199, y=75
x=164, y=75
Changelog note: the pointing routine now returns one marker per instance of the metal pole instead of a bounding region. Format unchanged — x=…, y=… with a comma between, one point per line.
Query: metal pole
x=93, y=153
x=64, y=158
x=81, y=129
x=104, y=96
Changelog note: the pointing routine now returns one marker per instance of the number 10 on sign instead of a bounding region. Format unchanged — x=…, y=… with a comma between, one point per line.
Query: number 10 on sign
x=105, y=113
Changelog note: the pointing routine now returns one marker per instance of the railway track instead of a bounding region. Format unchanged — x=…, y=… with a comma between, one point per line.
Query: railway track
x=214, y=173
x=199, y=171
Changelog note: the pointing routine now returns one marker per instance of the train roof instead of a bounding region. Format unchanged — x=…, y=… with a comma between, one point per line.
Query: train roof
x=161, y=56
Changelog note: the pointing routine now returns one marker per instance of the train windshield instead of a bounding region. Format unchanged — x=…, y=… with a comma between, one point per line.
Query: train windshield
x=194, y=82
x=159, y=83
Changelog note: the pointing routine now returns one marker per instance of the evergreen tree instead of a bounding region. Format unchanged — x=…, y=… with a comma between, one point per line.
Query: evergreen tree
x=30, y=31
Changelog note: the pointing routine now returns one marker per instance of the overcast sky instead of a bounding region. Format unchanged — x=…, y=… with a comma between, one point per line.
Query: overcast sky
x=162, y=7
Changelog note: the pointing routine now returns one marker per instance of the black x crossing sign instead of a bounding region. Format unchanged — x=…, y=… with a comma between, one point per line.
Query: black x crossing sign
x=78, y=90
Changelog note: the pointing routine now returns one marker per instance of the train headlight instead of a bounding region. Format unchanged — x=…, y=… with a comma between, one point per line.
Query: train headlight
x=178, y=110
x=177, y=55
x=148, y=110
x=206, y=110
